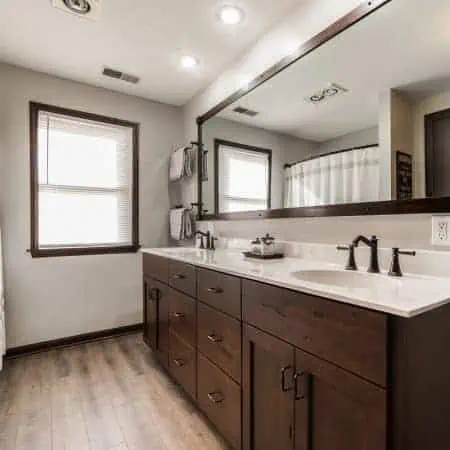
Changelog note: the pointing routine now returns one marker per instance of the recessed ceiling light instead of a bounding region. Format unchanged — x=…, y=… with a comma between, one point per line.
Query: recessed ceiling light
x=189, y=62
x=231, y=15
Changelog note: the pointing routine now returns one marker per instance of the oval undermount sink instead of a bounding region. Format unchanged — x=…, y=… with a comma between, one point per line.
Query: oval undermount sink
x=342, y=278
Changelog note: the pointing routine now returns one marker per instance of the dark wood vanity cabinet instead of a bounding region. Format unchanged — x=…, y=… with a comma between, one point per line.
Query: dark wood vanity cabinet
x=156, y=319
x=276, y=369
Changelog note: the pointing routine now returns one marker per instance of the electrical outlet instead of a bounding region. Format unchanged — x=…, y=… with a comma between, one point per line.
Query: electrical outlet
x=441, y=230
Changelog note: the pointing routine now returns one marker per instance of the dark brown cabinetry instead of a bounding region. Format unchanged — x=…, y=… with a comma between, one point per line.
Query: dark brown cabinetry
x=268, y=392
x=276, y=369
x=156, y=317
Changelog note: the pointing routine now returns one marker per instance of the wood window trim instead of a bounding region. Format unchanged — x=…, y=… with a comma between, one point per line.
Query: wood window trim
x=221, y=142
x=36, y=252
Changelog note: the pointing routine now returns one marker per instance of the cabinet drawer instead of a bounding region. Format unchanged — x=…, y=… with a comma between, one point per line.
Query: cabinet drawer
x=221, y=291
x=182, y=363
x=183, y=277
x=155, y=267
x=182, y=317
x=219, y=397
x=351, y=337
x=219, y=338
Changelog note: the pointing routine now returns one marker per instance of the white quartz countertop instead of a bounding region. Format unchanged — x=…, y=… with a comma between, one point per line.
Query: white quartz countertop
x=408, y=296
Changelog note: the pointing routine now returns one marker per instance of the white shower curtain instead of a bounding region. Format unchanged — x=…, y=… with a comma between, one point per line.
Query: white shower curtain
x=2, y=310
x=345, y=177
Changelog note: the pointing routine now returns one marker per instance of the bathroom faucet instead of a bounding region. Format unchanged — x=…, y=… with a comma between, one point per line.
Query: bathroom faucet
x=209, y=240
x=374, y=266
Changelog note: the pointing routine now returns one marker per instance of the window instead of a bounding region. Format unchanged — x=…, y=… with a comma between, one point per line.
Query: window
x=84, y=175
x=243, y=177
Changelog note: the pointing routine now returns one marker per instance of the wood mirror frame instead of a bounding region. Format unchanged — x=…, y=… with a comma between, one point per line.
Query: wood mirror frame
x=415, y=206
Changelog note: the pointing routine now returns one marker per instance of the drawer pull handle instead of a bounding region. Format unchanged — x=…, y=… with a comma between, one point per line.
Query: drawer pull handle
x=216, y=397
x=216, y=290
x=302, y=383
x=179, y=276
x=284, y=385
x=214, y=338
x=179, y=315
x=154, y=294
x=178, y=362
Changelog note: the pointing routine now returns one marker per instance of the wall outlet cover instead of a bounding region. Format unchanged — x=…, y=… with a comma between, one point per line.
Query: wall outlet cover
x=441, y=230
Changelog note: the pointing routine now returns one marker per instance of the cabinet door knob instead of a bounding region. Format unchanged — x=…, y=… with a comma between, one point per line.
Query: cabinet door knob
x=178, y=362
x=302, y=383
x=285, y=387
x=179, y=276
x=215, y=290
x=214, y=338
x=216, y=397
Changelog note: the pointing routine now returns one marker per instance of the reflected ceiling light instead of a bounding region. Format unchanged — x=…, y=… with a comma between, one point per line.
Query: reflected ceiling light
x=189, y=62
x=231, y=15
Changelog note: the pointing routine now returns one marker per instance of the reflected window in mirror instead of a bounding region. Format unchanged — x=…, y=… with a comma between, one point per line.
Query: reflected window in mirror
x=243, y=177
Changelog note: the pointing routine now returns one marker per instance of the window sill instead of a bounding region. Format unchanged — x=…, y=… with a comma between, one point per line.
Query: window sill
x=79, y=251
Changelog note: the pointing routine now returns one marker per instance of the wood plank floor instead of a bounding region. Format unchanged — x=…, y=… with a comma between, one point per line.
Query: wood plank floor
x=105, y=395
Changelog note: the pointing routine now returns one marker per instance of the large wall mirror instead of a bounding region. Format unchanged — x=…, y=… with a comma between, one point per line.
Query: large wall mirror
x=362, y=119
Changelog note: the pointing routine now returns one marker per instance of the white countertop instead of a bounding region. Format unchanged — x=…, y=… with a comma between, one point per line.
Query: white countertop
x=408, y=296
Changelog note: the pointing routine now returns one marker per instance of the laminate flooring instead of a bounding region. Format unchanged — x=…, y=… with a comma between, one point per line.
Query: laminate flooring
x=104, y=395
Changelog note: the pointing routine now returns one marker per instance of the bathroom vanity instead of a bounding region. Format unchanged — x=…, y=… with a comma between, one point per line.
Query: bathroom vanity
x=277, y=361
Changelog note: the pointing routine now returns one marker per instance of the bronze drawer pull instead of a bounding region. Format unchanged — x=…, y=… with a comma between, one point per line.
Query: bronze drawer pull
x=179, y=315
x=179, y=276
x=216, y=397
x=302, y=388
x=214, y=338
x=216, y=290
x=179, y=362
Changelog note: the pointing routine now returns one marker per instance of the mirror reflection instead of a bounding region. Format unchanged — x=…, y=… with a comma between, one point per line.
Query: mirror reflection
x=363, y=118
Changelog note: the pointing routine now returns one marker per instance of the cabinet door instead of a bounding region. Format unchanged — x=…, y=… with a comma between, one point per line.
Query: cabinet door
x=336, y=410
x=156, y=317
x=268, y=392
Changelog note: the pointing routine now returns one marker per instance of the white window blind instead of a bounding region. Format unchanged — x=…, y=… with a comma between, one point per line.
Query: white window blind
x=85, y=176
x=243, y=179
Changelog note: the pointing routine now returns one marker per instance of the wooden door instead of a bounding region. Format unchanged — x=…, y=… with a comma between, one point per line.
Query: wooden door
x=268, y=392
x=156, y=318
x=336, y=410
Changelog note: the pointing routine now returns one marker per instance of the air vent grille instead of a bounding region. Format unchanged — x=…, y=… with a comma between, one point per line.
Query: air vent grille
x=118, y=75
x=245, y=111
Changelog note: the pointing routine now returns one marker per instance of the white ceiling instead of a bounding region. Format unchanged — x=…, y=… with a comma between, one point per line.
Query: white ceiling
x=405, y=45
x=142, y=37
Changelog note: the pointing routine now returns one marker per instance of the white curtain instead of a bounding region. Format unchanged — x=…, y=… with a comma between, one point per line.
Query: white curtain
x=345, y=177
x=2, y=311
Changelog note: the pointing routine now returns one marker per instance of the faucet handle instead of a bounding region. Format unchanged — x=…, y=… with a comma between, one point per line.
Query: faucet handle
x=395, y=270
x=351, y=263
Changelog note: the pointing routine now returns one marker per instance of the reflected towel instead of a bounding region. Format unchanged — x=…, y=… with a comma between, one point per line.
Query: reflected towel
x=181, y=164
x=180, y=224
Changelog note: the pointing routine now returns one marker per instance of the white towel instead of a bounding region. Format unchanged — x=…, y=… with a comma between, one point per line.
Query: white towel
x=180, y=224
x=176, y=223
x=181, y=163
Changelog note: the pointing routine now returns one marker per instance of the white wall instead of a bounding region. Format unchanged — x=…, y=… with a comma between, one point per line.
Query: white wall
x=285, y=149
x=50, y=298
x=355, y=139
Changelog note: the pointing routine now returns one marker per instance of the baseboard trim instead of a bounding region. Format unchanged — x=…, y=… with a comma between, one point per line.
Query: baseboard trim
x=69, y=341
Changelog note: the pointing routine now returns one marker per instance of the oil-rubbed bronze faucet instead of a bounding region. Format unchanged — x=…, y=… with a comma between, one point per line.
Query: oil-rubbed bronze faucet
x=395, y=270
x=374, y=266
x=209, y=240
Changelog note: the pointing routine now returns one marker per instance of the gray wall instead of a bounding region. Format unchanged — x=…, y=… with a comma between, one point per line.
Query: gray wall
x=285, y=149
x=356, y=139
x=50, y=298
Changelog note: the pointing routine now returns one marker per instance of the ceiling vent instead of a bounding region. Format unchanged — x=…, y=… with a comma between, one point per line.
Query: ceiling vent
x=118, y=75
x=245, y=111
x=332, y=90
x=88, y=9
